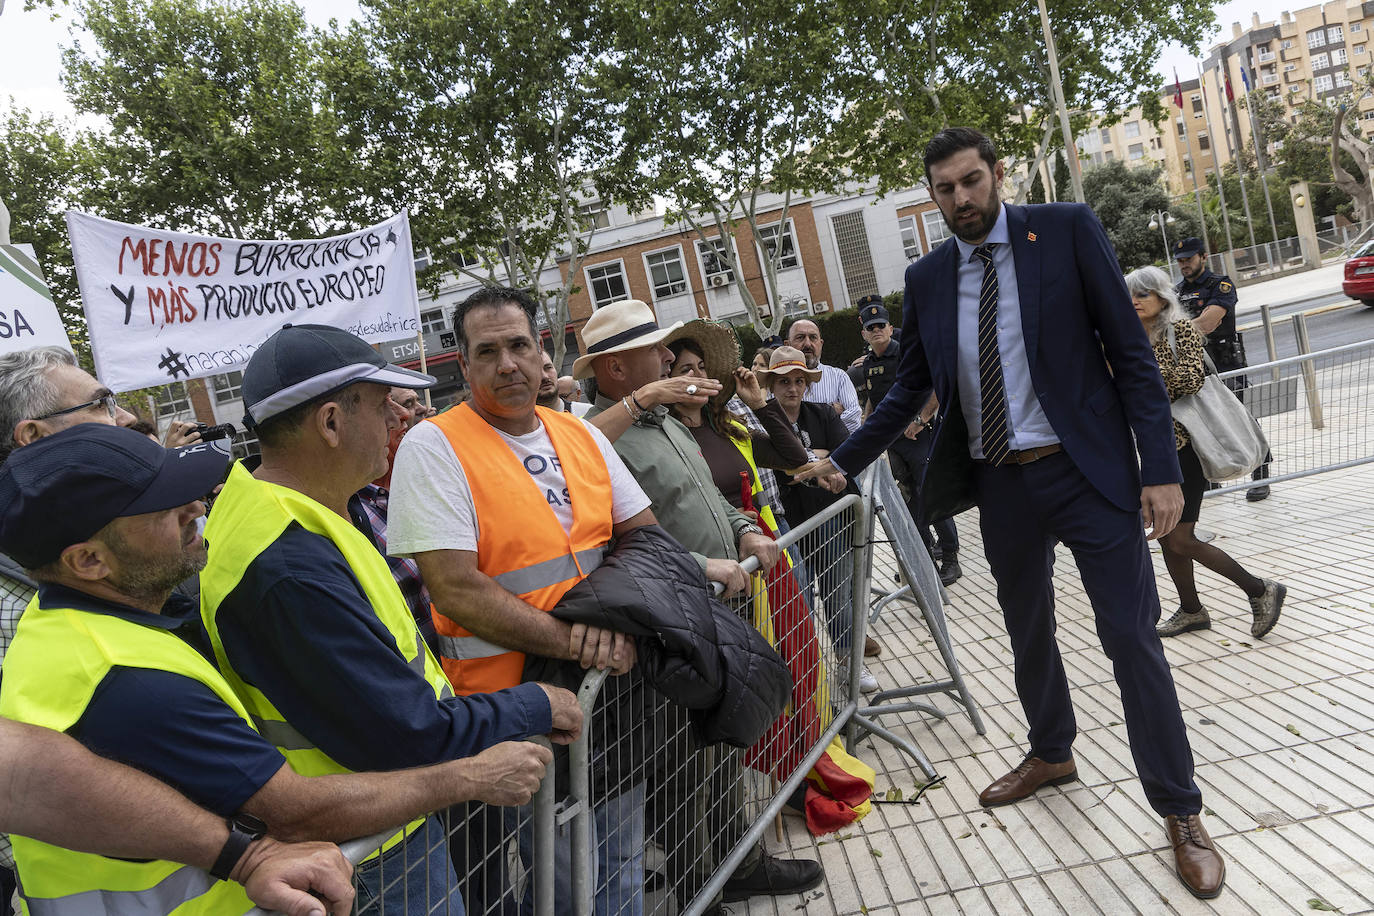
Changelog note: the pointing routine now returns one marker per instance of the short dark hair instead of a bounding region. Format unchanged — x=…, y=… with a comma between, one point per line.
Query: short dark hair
x=492, y=297
x=954, y=139
x=280, y=430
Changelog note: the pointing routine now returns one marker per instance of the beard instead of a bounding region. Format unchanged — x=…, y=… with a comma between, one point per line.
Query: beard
x=146, y=577
x=549, y=400
x=812, y=360
x=976, y=230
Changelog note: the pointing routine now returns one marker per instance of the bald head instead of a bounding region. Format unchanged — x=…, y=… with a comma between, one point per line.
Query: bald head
x=805, y=335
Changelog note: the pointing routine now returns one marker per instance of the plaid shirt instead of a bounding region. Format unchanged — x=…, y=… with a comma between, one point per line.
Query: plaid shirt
x=372, y=502
x=14, y=597
x=771, y=494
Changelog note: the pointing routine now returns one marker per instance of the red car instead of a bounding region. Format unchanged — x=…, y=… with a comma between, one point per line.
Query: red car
x=1359, y=275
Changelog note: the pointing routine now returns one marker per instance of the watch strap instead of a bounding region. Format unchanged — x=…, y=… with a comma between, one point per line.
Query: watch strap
x=242, y=832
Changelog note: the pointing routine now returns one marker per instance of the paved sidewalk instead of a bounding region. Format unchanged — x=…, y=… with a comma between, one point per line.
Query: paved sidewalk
x=1293, y=288
x=1282, y=733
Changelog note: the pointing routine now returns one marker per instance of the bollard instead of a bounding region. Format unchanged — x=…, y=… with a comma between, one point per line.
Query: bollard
x=1309, y=372
x=1267, y=315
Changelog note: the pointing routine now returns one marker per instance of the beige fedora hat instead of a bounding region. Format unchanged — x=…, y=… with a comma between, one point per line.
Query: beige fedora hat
x=619, y=326
x=786, y=360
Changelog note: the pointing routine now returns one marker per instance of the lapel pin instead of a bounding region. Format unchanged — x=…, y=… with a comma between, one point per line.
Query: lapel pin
x=1030, y=236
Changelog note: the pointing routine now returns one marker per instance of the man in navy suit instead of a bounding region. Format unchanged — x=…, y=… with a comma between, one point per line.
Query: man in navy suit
x=1023, y=326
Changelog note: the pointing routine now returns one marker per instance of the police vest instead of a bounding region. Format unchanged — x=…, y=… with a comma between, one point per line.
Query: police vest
x=57, y=660
x=521, y=544
x=248, y=517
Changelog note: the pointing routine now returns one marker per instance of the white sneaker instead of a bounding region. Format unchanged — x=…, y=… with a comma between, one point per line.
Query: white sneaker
x=867, y=682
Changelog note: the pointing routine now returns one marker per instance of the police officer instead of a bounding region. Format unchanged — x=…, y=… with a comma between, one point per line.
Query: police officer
x=873, y=375
x=1210, y=300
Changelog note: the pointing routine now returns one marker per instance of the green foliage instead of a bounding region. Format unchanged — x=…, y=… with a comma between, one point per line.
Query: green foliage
x=1305, y=151
x=1126, y=200
x=1037, y=190
x=1063, y=182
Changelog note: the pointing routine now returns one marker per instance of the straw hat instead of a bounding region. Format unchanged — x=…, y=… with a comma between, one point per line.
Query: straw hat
x=623, y=325
x=719, y=350
x=786, y=360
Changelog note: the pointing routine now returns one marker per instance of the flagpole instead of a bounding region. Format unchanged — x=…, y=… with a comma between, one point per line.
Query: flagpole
x=1216, y=163
x=1257, y=138
x=1240, y=163
x=1187, y=145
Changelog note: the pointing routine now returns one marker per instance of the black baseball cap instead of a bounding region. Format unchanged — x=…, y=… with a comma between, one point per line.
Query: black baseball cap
x=302, y=362
x=62, y=489
x=872, y=314
x=1186, y=248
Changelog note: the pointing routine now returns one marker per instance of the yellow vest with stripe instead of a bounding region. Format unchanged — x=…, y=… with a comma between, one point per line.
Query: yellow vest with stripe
x=521, y=544
x=248, y=517
x=57, y=660
x=745, y=445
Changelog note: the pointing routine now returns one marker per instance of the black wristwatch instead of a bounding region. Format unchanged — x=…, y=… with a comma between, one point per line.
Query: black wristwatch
x=243, y=830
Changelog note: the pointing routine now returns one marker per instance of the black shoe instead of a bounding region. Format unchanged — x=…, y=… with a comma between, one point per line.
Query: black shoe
x=950, y=571
x=774, y=877
x=1255, y=494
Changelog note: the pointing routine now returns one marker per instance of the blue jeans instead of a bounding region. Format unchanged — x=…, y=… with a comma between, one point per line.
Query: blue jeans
x=412, y=878
x=617, y=866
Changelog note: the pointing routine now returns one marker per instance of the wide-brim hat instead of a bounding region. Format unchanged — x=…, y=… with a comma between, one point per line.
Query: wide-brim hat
x=302, y=362
x=624, y=325
x=719, y=350
x=786, y=360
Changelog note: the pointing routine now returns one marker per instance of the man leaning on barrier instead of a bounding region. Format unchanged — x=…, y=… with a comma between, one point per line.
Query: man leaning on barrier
x=622, y=348
x=306, y=620
x=105, y=520
x=506, y=506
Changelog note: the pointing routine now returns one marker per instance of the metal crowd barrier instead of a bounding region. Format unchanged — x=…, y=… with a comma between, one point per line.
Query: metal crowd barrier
x=646, y=818
x=1314, y=408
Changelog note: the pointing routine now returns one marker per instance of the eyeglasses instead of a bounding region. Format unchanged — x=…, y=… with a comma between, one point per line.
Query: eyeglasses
x=108, y=400
x=876, y=326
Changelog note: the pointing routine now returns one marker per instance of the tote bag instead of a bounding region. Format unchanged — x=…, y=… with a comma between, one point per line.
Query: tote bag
x=1227, y=440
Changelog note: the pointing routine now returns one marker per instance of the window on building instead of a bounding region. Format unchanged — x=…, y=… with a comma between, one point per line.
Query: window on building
x=768, y=241
x=172, y=399
x=911, y=240
x=666, y=272
x=1320, y=61
x=1294, y=88
x=1361, y=72
x=1342, y=78
x=1106, y=136
x=245, y=444
x=856, y=257
x=1187, y=166
x=1285, y=44
x=1136, y=151
x=1182, y=127
x=1288, y=68
x=1334, y=34
x=1338, y=58
x=1197, y=104
x=1323, y=83
x=607, y=283
x=1316, y=38
x=1359, y=49
x=1204, y=142
x=1109, y=156
x=594, y=216
x=432, y=321
x=228, y=387
x=714, y=262
x=936, y=229
x=1132, y=129
x=1356, y=27
x=422, y=260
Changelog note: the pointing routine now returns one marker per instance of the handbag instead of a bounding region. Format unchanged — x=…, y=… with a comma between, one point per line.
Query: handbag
x=1227, y=440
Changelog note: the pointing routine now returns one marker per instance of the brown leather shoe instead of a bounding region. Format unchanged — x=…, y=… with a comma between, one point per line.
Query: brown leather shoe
x=871, y=647
x=1199, y=865
x=1026, y=779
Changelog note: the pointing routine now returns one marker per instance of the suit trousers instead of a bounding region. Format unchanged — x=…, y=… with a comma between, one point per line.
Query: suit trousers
x=1024, y=511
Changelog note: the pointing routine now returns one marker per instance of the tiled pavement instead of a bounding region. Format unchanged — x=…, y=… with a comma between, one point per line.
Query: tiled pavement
x=1282, y=733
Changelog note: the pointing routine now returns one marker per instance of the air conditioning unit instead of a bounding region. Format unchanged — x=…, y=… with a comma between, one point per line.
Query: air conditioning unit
x=719, y=280
x=821, y=307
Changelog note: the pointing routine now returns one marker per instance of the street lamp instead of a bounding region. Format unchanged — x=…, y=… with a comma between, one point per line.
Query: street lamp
x=1160, y=220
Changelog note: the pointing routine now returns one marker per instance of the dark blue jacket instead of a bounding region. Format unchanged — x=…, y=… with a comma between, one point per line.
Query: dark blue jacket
x=1077, y=318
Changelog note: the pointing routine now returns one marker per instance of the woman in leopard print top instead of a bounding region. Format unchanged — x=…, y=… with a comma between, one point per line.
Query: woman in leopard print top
x=1181, y=365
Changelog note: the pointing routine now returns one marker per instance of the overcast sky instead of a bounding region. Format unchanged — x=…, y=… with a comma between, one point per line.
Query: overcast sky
x=30, y=60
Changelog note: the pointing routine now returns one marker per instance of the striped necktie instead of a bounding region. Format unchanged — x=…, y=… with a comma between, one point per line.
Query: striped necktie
x=996, y=442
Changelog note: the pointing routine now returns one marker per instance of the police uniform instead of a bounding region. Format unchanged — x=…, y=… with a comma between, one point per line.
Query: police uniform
x=873, y=378
x=1224, y=344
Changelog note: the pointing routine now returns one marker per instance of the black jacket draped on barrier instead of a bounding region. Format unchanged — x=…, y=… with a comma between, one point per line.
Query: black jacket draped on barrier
x=693, y=649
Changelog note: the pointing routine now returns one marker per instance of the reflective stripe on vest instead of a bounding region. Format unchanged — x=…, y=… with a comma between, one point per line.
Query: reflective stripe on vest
x=249, y=516
x=57, y=661
x=521, y=545
x=177, y=889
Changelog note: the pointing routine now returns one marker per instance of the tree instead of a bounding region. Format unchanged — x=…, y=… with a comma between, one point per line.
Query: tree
x=216, y=120
x=730, y=118
x=494, y=123
x=1323, y=150
x=1037, y=190
x=1126, y=200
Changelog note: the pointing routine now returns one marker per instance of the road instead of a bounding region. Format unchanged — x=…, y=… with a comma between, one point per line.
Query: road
x=1331, y=321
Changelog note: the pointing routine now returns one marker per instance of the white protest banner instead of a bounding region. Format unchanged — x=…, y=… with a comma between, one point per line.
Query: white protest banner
x=28, y=316
x=168, y=306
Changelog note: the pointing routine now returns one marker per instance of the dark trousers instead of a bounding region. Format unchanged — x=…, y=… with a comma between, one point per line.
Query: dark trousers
x=1024, y=510
x=908, y=459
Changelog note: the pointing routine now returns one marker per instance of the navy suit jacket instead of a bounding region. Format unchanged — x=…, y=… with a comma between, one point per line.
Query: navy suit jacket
x=1077, y=318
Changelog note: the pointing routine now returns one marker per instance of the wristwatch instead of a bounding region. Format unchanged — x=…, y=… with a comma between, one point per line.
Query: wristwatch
x=244, y=829
x=750, y=528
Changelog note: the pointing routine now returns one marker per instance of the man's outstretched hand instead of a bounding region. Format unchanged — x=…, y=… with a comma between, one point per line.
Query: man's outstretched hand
x=1161, y=506
x=299, y=879
x=821, y=468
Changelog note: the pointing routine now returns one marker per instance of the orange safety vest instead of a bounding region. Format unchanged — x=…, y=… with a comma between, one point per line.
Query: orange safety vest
x=521, y=544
